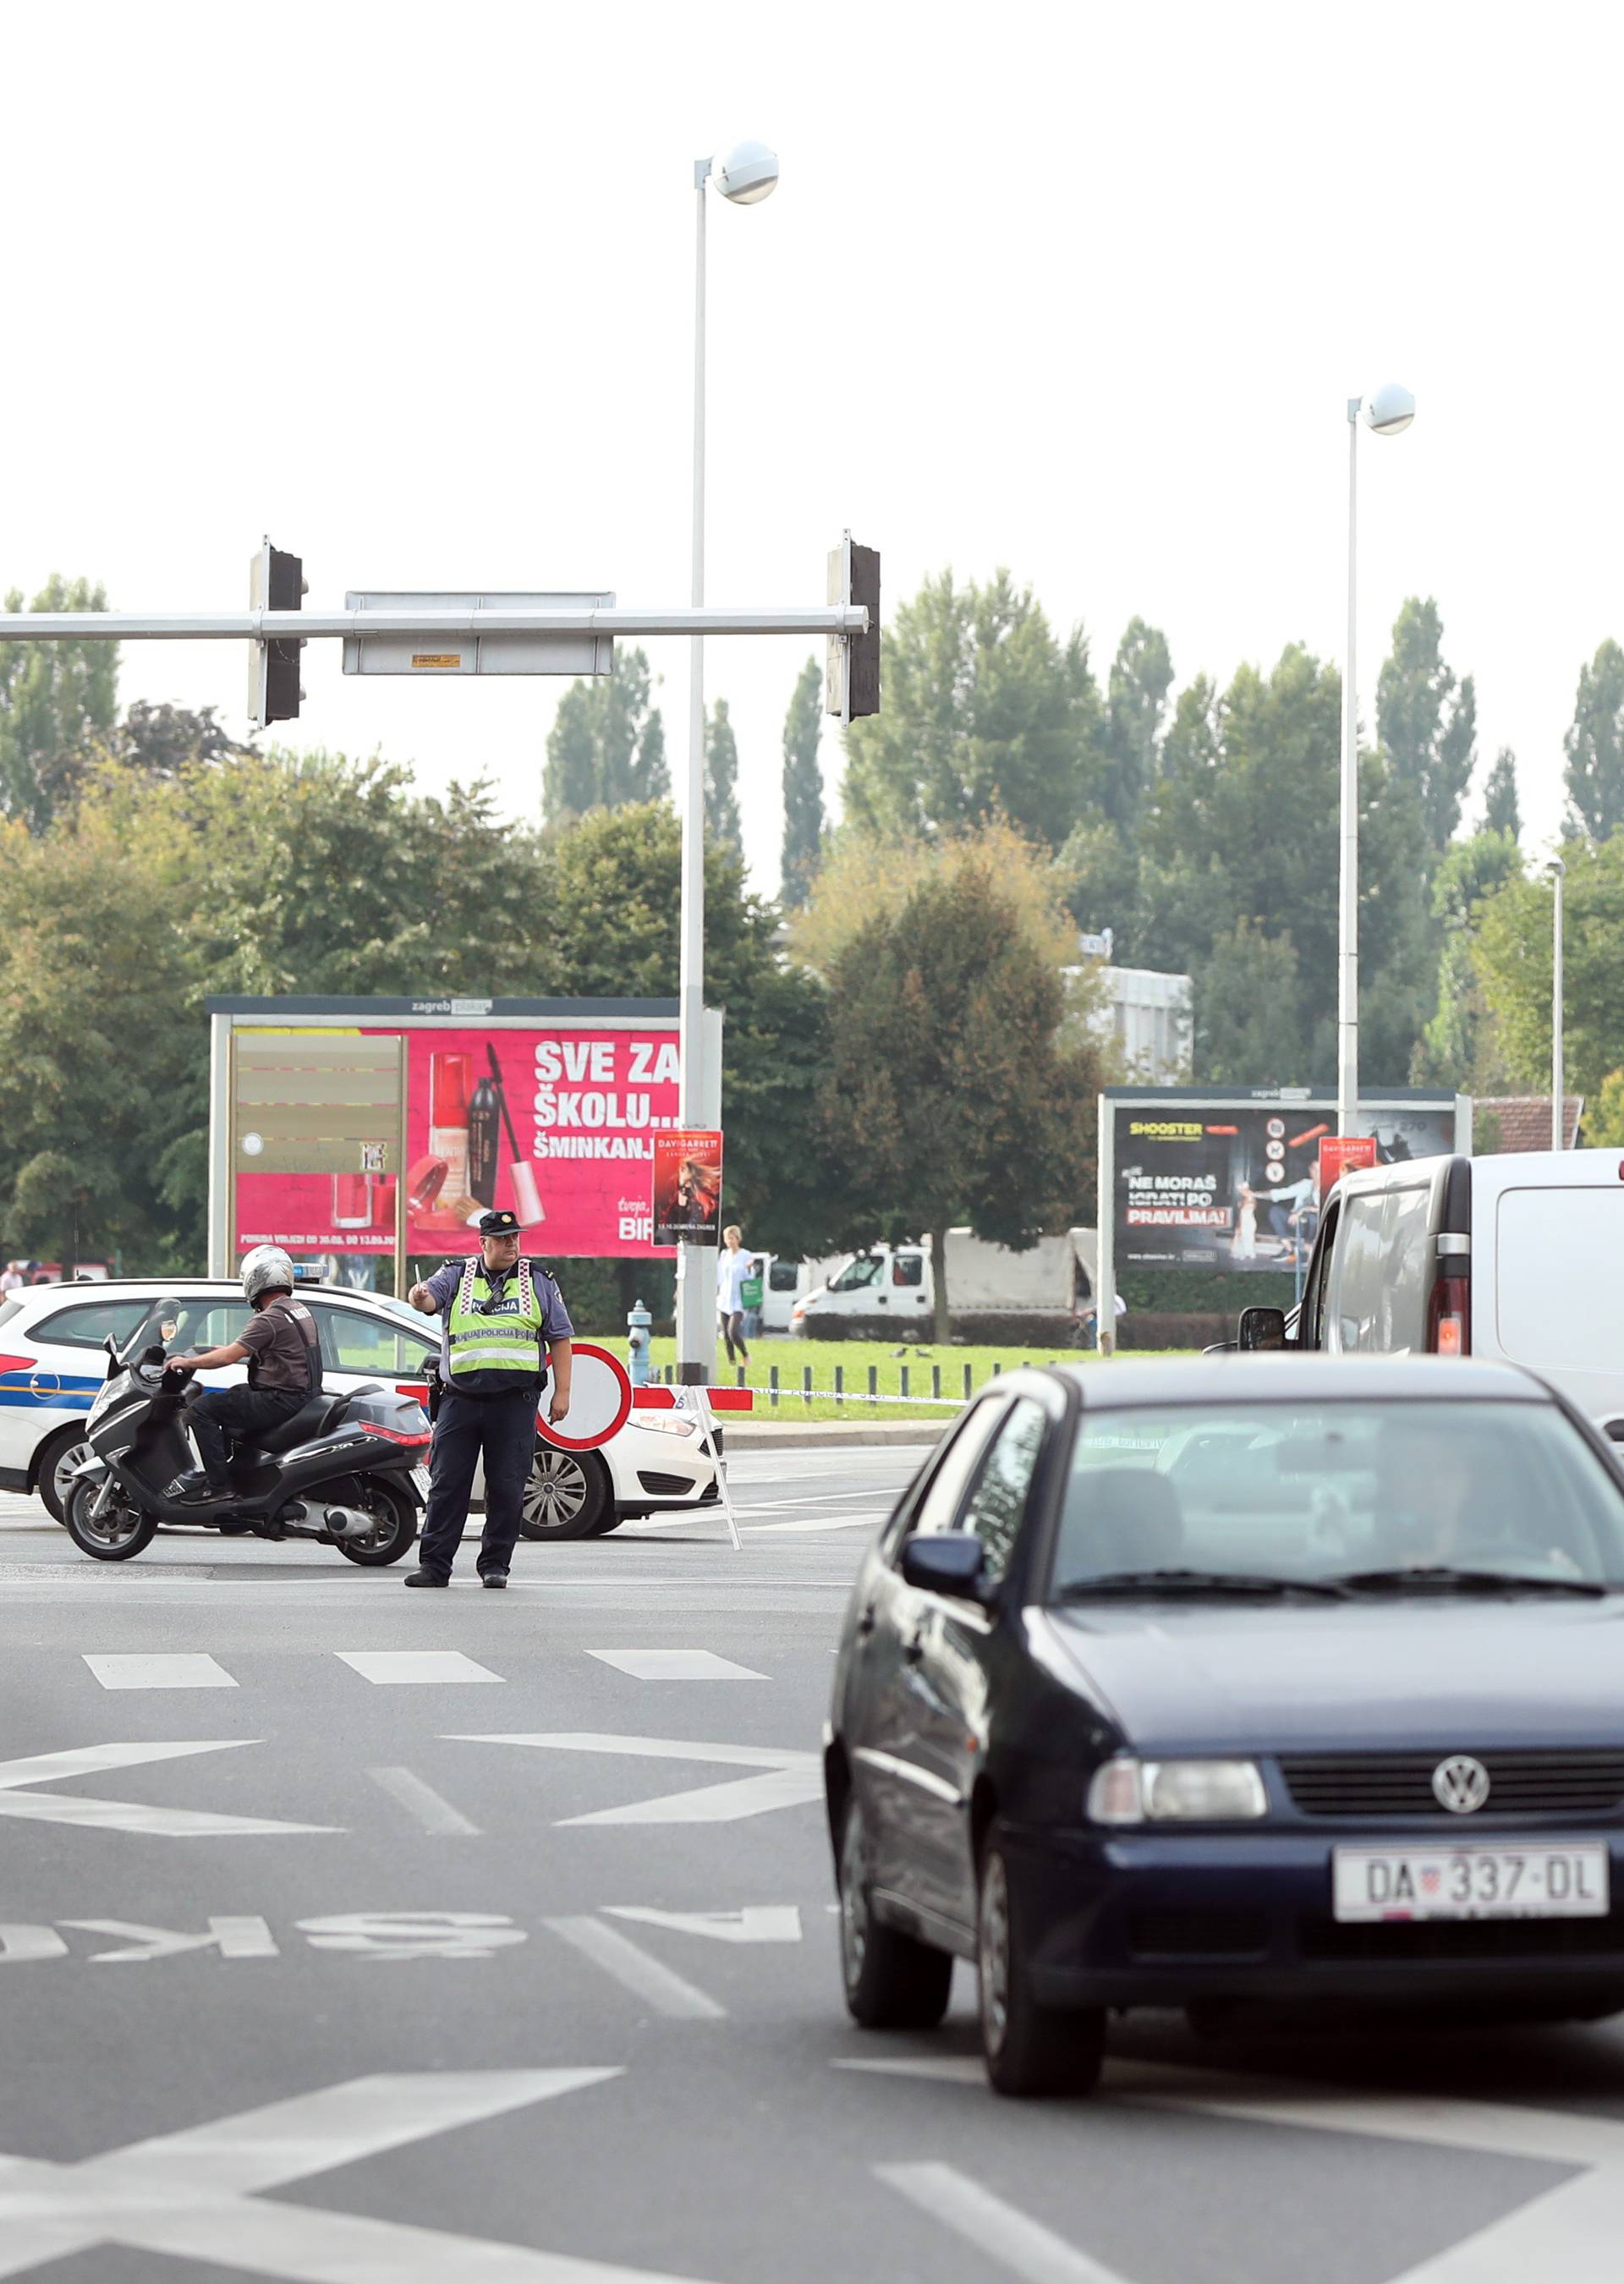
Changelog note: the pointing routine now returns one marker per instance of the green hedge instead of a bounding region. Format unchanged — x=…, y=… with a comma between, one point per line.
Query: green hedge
x=1197, y=1292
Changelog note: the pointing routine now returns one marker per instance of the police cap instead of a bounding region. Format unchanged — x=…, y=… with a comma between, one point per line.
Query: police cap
x=501, y=1221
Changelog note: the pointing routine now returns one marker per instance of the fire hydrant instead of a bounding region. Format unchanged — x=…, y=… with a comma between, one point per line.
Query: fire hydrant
x=638, y=1324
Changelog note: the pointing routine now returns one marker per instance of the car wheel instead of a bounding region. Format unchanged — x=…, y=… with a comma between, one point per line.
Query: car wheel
x=893, y=1982
x=53, y=1479
x=117, y=1534
x=568, y=1495
x=1028, y=2048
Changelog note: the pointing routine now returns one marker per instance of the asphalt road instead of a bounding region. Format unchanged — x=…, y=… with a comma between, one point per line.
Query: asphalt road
x=374, y=1939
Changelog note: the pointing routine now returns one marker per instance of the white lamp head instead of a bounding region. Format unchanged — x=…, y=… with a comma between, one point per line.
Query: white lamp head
x=747, y=174
x=1390, y=409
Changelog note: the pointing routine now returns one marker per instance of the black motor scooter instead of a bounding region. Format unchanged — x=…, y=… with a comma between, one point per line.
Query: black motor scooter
x=346, y=1470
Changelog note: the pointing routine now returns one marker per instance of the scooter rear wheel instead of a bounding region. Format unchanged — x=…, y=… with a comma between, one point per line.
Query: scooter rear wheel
x=397, y=1526
x=117, y=1534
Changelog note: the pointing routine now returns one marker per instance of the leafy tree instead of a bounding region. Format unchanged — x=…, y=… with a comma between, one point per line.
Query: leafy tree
x=607, y=744
x=722, y=782
x=102, y=1042
x=1427, y=721
x=1603, y=1119
x=54, y=698
x=1137, y=697
x=986, y=711
x=1595, y=745
x=1097, y=876
x=1458, y=1047
x=1500, y=811
x=625, y=863
x=803, y=784
x=956, y=1089
x=1511, y=951
x=1247, y=1014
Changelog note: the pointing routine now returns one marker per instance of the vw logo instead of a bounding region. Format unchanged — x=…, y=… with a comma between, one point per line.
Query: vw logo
x=1460, y=1784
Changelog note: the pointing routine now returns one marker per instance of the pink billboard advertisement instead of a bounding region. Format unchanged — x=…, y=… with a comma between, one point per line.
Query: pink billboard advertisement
x=557, y=1124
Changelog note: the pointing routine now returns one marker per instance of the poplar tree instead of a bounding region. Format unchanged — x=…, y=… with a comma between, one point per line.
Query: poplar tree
x=803, y=784
x=722, y=828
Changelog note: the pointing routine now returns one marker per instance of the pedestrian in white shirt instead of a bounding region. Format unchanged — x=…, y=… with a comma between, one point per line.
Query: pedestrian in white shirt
x=732, y=1268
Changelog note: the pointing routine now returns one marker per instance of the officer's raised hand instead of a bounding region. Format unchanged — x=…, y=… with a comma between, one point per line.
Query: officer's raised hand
x=423, y=1301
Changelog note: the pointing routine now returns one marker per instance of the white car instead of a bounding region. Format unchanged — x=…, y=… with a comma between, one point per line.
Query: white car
x=52, y=1361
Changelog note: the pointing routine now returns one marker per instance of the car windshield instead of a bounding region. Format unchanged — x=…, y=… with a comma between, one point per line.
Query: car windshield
x=1375, y=1496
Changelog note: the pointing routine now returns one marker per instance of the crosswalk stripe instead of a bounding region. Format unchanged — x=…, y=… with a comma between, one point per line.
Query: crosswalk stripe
x=675, y=1665
x=391, y=1666
x=128, y=1669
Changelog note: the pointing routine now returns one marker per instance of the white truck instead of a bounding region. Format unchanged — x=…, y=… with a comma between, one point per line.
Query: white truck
x=885, y=1290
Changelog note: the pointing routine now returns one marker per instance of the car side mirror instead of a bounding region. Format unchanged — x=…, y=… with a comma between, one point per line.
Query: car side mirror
x=947, y=1562
x=1614, y=1430
x=1261, y=1328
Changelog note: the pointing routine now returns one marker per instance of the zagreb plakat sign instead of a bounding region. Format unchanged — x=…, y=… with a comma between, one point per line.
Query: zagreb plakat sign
x=1232, y=1182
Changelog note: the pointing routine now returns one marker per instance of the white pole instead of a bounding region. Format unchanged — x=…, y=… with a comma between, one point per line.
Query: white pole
x=1558, y=1085
x=696, y=1334
x=1105, y=1233
x=1348, y=895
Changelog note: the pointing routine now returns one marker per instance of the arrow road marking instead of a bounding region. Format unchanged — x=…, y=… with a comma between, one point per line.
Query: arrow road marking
x=648, y=1979
x=122, y=1815
x=789, y=1779
x=188, y=2194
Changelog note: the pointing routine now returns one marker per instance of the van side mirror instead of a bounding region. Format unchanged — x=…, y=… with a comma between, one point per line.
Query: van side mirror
x=1263, y=1328
x=1614, y=1430
x=947, y=1562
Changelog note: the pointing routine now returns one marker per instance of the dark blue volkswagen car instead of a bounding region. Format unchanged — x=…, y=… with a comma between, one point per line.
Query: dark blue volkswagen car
x=1269, y=1681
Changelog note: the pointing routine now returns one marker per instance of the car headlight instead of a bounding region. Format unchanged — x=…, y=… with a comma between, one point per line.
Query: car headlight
x=666, y=1423
x=1176, y=1792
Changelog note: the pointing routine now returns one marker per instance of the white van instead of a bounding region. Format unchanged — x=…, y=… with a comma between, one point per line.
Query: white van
x=885, y=1286
x=1520, y=1256
x=785, y=1282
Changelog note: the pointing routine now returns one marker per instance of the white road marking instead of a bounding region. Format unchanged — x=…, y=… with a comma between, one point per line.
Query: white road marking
x=1572, y=2230
x=180, y=1670
x=788, y=1779
x=1017, y=2243
x=414, y=1934
x=647, y=1978
x=674, y=1665
x=120, y=1815
x=19, y=1942
x=755, y=1923
x=392, y=1666
x=422, y=1801
x=232, y=1938
x=188, y=2194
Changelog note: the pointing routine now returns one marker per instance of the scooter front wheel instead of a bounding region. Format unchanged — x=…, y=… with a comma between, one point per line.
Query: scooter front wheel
x=119, y=1532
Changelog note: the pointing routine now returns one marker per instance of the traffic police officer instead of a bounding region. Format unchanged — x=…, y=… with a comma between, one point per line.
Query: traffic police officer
x=499, y=1313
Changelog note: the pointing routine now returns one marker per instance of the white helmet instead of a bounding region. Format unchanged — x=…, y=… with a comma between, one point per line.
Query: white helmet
x=266, y=1268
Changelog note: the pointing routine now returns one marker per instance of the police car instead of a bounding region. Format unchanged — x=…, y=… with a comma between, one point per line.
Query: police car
x=52, y=1360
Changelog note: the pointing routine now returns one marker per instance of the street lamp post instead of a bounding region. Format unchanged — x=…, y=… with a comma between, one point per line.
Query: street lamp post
x=1389, y=411
x=1558, y=873
x=748, y=174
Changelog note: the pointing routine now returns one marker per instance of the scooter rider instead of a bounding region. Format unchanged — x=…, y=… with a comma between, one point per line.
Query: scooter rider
x=285, y=1370
x=499, y=1314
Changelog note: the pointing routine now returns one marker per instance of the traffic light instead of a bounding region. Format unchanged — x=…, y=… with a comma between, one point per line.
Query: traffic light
x=276, y=582
x=852, y=676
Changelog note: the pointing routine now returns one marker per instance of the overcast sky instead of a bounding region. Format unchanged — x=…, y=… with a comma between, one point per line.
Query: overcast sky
x=1081, y=290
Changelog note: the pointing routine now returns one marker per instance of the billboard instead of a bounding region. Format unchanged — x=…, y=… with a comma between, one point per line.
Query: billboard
x=356, y=1126
x=1230, y=1183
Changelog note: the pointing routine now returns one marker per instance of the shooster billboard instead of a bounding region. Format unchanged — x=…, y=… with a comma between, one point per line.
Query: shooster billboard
x=387, y=1126
x=1230, y=1181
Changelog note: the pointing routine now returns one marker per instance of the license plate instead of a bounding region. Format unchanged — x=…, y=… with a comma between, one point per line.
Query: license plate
x=1538, y=1879
x=419, y=1476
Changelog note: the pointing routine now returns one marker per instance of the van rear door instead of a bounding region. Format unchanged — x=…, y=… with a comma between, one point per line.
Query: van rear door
x=1556, y=1299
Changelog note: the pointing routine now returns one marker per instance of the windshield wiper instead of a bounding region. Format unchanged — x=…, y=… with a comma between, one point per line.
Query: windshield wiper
x=1197, y=1582
x=1447, y=1577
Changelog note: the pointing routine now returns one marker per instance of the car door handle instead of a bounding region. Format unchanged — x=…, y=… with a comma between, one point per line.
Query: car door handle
x=865, y=1623
x=913, y=1650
